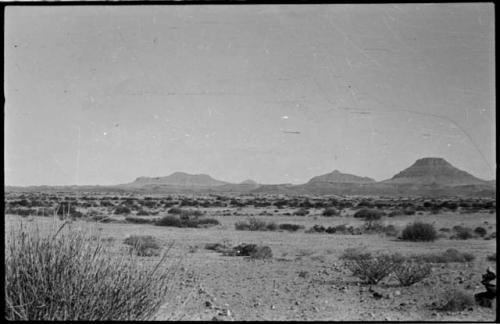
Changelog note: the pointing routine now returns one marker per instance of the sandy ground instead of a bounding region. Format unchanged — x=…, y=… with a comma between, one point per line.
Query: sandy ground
x=305, y=280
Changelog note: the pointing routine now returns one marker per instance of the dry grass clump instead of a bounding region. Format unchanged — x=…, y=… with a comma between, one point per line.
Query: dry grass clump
x=409, y=273
x=450, y=255
x=66, y=275
x=457, y=300
x=143, y=245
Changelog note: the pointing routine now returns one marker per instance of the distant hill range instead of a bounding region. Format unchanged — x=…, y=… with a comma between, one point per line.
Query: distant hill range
x=426, y=177
x=338, y=177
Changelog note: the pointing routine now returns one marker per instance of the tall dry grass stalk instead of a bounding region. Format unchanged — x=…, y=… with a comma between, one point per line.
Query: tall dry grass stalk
x=67, y=275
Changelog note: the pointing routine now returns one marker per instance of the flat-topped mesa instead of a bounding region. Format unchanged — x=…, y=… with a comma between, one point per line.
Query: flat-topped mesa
x=338, y=177
x=434, y=170
x=432, y=161
x=180, y=179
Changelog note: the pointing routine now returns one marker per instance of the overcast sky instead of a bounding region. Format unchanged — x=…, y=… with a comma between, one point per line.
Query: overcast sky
x=277, y=94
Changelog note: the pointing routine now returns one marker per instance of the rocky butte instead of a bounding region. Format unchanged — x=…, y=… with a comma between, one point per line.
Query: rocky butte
x=434, y=171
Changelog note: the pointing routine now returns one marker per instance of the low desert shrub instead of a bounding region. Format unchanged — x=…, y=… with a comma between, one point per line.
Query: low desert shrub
x=272, y=226
x=142, y=212
x=65, y=275
x=373, y=226
x=462, y=233
x=419, y=231
x=254, y=251
x=301, y=212
x=409, y=272
x=341, y=229
x=184, y=221
x=481, y=231
x=169, y=220
x=120, y=210
x=390, y=230
x=372, y=269
x=354, y=253
x=457, y=300
x=397, y=212
x=102, y=219
x=219, y=247
x=22, y=211
x=139, y=220
x=202, y=222
x=330, y=211
x=251, y=224
x=331, y=230
x=369, y=214
x=175, y=211
x=191, y=213
x=316, y=229
x=409, y=211
x=290, y=227
x=492, y=257
x=143, y=245
x=435, y=210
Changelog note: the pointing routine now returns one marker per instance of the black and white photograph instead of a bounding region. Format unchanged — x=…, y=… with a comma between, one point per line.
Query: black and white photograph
x=232, y=161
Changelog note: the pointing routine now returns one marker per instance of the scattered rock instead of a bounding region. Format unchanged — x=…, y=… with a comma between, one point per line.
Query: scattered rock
x=225, y=312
